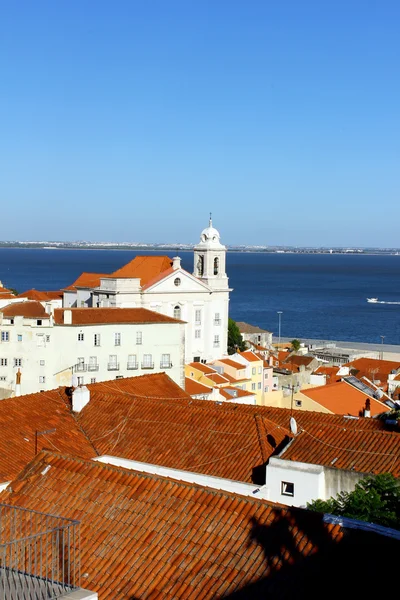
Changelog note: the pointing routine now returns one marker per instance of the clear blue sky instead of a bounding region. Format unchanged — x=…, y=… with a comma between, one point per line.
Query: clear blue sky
x=131, y=120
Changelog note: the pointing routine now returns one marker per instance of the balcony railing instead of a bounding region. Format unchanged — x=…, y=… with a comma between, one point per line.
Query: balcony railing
x=113, y=366
x=166, y=365
x=39, y=554
x=217, y=321
x=131, y=366
x=147, y=365
x=93, y=367
x=80, y=368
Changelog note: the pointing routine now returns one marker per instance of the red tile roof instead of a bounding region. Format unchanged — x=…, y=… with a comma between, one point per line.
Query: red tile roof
x=21, y=417
x=100, y=316
x=145, y=536
x=41, y=296
x=330, y=372
x=232, y=363
x=373, y=368
x=299, y=360
x=144, y=268
x=237, y=393
x=250, y=356
x=343, y=448
x=219, y=379
x=154, y=385
x=343, y=399
x=206, y=369
x=194, y=388
x=29, y=309
x=88, y=280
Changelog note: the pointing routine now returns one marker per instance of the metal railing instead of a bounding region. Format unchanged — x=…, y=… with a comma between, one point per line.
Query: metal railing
x=80, y=368
x=93, y=367
x=147, y=365
x=39, y=554
x=217, y=321
x=131, y=366
x=113, y=366
x=166, y=365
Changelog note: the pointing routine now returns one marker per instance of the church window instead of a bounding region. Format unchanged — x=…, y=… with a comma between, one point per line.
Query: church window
x=177, y=281
x=177, y=312
x=200, y=266
x=216, y=265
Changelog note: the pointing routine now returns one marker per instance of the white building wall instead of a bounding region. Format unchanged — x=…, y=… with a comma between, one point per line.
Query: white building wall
x=51, y=351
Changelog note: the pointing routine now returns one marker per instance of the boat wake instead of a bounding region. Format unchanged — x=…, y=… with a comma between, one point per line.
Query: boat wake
x=383, y=302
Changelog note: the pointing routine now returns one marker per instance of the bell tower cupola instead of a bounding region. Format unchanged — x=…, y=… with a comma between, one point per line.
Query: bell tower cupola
x=210, y=258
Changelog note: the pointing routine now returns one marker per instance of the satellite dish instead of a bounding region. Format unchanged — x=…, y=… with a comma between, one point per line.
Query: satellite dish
x=293, y=425
x=74, y=381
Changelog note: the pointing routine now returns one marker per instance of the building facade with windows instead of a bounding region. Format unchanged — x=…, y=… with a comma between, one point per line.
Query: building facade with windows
x=159, y=283
x=89, y=344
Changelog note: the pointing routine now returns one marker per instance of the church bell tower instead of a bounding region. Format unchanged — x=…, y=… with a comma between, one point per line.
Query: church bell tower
x=210, y=259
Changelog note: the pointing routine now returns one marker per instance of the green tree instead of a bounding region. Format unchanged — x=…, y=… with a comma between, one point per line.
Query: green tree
x=295, y=345
x=375, y=499
x=235, y=340
x=14, y=291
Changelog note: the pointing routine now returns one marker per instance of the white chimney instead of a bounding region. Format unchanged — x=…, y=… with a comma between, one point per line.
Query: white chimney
x=80, y=397
x=67, y=316
x=176, y=263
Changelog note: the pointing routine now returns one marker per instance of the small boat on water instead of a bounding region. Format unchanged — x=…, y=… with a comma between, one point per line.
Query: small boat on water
x=373, y=300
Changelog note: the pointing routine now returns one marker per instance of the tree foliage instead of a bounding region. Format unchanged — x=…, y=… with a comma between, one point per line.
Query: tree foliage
x=295, y=345
x=235, y=340
x=375, y=499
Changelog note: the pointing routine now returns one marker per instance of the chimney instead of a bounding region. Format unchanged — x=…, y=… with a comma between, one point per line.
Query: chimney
x=367, y=409
x=18, y=383
x=176, y=263
x=80, y=397
x=67, y=316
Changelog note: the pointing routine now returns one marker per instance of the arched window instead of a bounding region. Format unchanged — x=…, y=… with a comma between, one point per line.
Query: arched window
x=200, y=266
x=216, y=265
x=177, y=312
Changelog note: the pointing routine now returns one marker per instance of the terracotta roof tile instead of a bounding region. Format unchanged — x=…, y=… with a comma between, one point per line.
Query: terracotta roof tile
x=373, y=368
x=344, y=399
x=28, y=309
x=232, y=363
x=87, y=280
x=41, y=296
x=144, y=268
x=99, y=316
x=206, y=369
x=230, y=393
x=262, y=554
x=193, y=387
x=250, y=356
x=247, y=328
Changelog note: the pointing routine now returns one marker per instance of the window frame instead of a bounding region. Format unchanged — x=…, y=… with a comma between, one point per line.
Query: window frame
x=284, y=489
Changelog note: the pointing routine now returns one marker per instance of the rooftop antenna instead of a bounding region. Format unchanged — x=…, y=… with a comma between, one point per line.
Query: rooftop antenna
x=210, y=219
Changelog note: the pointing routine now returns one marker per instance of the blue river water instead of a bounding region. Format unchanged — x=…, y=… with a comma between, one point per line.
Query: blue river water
x=321, y=296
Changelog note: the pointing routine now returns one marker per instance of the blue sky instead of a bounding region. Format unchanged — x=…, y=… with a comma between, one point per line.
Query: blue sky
x=131, y=120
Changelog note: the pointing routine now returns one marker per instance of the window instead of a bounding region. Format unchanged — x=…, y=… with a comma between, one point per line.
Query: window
x=139, y=337
x=93, y=366
x=253, y=387
x=177, y=312
x=19, y=337
x=96, y=339
x=217, y=319
x=42, y=363
x=3, y=362
x=298, y=403
x=42, y=379
x=216, y=265
x=147, y=362
x=2, y=378
x=254, y=370
x=165, y=361
x=216, y=341
x=112, y=363
x=197, y=317
x=93, y=380
x=197, y=333
x=259, y=370
x=38, y=321
x=196, y=358
x=132, y=362
x=47, y=338
x=11, y=321
x=287, y=489
x=200, y=266
x=5, y=336
x=117, y=339
x=81, y=337
x=259, y=385
x=177, y=281
x=17, y=362
x=119, y=377
x=80, y=380
x=80, y=366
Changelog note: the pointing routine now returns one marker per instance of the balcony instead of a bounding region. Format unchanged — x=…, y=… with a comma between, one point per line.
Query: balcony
x=165, y=365
x=217, y=321
x=131, y=366
x=147, y=365
x=113, y=366
x=216, y=344
x=39, y=553
x=93, y=367
x=80, y=368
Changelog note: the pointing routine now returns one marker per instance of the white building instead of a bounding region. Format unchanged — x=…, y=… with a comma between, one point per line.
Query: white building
x=95, y=344
x=160, y=284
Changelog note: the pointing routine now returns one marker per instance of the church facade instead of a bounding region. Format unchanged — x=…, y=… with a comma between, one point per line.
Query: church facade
x=158, y=283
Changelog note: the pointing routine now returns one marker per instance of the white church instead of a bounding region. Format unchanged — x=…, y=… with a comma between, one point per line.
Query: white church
x=158, y=283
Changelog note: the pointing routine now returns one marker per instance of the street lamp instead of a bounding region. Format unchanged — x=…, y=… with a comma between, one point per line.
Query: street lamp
x=382, y=338
x=279, y=324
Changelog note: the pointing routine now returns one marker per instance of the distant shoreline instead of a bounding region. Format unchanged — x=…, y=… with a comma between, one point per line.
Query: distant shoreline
x=169, y=248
